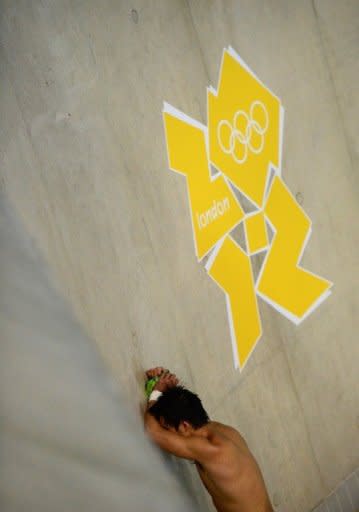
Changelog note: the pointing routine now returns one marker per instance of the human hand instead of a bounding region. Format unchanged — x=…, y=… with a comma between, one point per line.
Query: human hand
x=166, y=381
x=155, y=372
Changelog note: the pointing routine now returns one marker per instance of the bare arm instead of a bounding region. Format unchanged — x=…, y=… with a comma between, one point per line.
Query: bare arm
x=193, y=447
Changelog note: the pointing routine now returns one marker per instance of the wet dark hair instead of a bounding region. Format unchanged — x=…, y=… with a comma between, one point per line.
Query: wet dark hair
x=178, y=404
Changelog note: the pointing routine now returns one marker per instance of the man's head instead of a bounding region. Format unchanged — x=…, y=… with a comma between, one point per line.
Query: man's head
x=179, y=409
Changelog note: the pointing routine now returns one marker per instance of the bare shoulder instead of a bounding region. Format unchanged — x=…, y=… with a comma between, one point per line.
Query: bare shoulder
x=214, y=444
x=228, y=440
x=226, y=432
x=222, y=426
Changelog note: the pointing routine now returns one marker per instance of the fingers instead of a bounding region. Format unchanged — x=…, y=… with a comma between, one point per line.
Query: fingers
x=155, y=372
x=166, y=378
x=166, y=381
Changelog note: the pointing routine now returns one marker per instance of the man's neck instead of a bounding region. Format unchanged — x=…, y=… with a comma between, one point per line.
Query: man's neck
x=202, y=431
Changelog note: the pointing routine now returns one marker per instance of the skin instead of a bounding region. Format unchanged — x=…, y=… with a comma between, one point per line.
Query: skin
x=225, y=465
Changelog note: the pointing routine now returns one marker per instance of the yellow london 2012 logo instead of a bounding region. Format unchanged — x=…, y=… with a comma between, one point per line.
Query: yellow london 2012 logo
x=243, y=142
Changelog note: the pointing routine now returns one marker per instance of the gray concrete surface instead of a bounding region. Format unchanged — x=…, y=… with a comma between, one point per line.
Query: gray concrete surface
x=83, y=160
x=345, y=497
x=67, y=440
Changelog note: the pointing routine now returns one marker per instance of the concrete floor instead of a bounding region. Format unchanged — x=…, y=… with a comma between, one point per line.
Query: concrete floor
x=83, y=160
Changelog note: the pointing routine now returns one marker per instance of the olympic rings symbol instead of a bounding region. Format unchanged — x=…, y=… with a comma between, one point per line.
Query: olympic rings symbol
x=244, y=138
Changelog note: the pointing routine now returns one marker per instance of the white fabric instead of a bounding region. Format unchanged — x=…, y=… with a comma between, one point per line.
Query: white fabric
x=155, y=395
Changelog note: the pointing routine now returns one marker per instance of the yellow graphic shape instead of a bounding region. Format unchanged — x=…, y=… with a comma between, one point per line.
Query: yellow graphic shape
x=214, y=208
x=244, y=126
x=295, y=292
x=230, y=267
x=256, y=232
